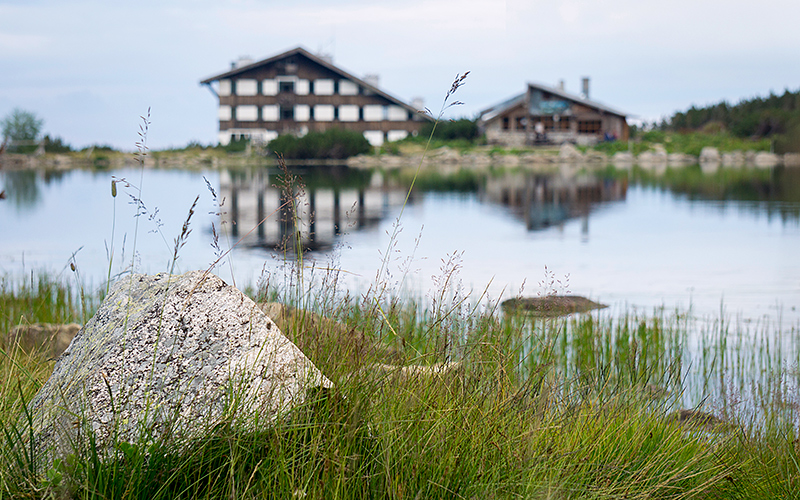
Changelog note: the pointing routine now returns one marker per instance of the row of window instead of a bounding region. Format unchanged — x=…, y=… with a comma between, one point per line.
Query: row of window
x=375, y=137
x=287, y=84
x=319, y=112
x=550, y=124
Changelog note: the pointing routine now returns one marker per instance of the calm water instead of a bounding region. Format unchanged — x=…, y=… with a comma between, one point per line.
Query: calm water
x=704, y=242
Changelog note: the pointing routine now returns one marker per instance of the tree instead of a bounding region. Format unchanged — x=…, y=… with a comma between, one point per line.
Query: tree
x=21, y=126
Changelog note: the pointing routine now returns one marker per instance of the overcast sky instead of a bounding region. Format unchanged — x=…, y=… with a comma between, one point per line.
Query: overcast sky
x=90, y=68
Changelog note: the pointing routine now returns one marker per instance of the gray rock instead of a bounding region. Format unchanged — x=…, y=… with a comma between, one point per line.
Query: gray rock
x=710, y=155
x=49, y=337
x=681, y=159
x=733, y=159
x=791, y=159
x=568, y=152
x=169, y=356
x=766, y=160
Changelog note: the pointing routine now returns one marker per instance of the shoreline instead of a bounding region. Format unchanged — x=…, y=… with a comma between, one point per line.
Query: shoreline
x=445, y=156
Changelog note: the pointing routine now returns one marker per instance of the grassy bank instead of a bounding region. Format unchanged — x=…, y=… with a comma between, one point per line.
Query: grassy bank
x=541, y=408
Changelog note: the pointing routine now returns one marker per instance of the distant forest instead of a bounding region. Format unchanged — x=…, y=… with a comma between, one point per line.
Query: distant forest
x=776, y=117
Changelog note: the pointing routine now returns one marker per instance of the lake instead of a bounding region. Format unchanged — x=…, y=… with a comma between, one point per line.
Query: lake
x=699, y=241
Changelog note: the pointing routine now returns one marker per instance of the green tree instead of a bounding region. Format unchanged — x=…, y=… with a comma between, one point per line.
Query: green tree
x=21, y=126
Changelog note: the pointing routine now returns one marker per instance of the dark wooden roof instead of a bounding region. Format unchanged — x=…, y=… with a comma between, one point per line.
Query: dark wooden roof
x=500, y=108
x=320, y=61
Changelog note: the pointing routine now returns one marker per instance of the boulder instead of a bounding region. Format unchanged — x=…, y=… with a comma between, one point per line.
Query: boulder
x=169, y=356
x=49, y=337
x=680, y=159
x=568, y=152
x=710, y=155
x=766, y=160
x=550, y=305
x=733, y=159
x=791, y=160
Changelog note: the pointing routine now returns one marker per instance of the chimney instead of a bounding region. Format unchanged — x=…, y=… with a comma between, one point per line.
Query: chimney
x=372, y=79
x=585, y=92
x=561, y=85
x=242, y=61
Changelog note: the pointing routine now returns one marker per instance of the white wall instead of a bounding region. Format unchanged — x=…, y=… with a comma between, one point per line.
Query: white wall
x=347, y=87
x=246, y=86
x=270, y=113
x=396, y=135
x=373, y=113
x=375, y=137
x=323, y=112
x=323, y=87
x=247, y=113
x=348, y=113
x=269, y=87
x=224, y=112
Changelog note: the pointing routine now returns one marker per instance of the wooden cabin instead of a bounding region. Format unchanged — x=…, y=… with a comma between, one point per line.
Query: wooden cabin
x=297, y=92
x=550, y=115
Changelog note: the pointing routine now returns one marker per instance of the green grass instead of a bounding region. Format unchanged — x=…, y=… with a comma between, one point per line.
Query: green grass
x=685, y=142
x=545, y=408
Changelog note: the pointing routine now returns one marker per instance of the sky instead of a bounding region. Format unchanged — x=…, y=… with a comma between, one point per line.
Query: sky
x=92, y=68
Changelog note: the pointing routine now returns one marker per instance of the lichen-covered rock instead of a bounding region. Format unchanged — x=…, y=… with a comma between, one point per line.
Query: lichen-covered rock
x=169, y=355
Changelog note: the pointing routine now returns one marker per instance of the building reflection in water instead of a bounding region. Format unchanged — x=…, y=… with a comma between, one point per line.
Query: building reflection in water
x=336, y=201
x=326, y=206
x=546, y=200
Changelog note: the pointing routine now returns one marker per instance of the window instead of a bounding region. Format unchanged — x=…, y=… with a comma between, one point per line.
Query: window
x=396, y=113
x=247, y=113
x=270, y=113
x=323, y=87
x=373, y=113
x=324, y=112
x=302, y=112
x=286, y=87
x=348, y=113
x=246, y=86
x=287, y=112
x=269, y=87
x=589, y=126
x=505, y=123
x=225, y=87
x=224, y=113
x=346, y=87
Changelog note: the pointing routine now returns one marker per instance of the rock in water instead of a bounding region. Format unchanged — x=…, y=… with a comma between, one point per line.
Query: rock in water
x=550, y=305
x=169, y=356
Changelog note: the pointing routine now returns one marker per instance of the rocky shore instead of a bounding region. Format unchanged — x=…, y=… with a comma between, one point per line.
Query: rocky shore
x=475, y=158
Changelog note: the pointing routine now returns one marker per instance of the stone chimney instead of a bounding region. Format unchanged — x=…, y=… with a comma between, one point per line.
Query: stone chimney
x=242, y=61
x=418, y=103
x=372, y=79
x=585, y=91
x=561, y=85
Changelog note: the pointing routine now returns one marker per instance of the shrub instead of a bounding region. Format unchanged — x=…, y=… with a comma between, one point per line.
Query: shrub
x=335, y=144
x=449, y=130
x=56, y=145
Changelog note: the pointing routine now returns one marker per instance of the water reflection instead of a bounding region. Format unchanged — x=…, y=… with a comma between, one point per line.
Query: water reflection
x=542, y=200
x=22, y=188
x=319, y=207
